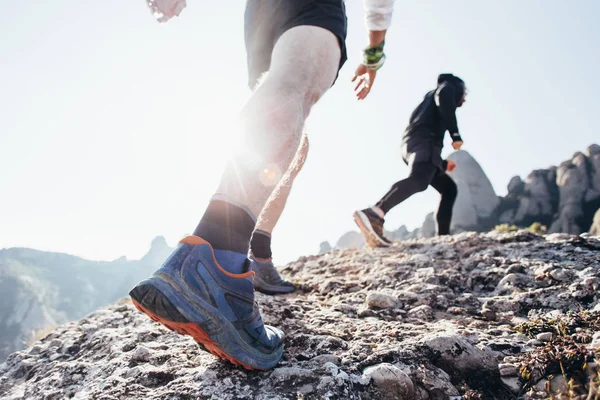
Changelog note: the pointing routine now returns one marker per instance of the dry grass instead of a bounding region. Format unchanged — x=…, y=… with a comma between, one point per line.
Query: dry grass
x=567, y=355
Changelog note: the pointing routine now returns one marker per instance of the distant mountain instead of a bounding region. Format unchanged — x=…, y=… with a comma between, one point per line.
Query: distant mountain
x=39, y=290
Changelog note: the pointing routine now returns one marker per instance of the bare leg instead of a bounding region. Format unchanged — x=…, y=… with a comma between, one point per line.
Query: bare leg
x=206, y=275
x=272, y=210
x=267, y=278
x=304, y=64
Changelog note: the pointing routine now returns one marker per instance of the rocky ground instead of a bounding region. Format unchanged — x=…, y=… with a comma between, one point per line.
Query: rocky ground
x=472, y=316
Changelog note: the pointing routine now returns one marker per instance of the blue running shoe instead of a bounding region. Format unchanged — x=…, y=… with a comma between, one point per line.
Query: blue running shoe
x=267, y=280
x=193, y=295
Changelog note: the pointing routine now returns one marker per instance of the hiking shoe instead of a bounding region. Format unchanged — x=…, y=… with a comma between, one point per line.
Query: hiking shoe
x=371, y=226
x=267, y=280
x=193, y=295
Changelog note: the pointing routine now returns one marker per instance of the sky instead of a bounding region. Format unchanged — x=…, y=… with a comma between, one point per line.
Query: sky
x=114, y=128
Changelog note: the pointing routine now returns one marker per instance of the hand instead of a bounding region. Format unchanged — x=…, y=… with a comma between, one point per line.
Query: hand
x=457, y=145
x=365, y=78
x=450, y=165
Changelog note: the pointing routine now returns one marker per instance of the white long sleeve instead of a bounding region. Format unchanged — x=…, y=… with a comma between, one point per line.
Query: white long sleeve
x=378, y=14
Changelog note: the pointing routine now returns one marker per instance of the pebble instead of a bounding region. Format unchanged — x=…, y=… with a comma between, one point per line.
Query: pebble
x=381, y=300
x=545, y=336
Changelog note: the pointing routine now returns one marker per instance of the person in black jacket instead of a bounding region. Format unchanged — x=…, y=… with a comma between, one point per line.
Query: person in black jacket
x=422, y=151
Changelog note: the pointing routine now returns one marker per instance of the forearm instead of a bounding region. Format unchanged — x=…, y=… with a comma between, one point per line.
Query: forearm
x=373, y=55
x=445, y=99
x=376, y=37
x=449, y=118
x=456, y=136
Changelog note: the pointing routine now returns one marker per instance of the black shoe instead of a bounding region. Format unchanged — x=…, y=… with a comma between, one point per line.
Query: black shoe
x=267, y=280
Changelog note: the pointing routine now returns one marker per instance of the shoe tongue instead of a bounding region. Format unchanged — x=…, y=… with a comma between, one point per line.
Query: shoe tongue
x=374, y=215
x=231, y=261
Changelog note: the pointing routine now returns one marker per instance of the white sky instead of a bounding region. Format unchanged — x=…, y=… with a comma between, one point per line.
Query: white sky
x=113, y=127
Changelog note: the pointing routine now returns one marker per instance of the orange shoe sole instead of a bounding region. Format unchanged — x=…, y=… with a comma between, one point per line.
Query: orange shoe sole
x=197, y=333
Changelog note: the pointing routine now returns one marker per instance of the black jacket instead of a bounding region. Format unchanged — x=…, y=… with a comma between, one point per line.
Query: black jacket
x=436, y=113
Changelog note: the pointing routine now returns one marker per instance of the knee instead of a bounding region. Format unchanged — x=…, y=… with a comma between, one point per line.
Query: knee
x=272, y=117
x=298, y=91
x=419, y=185
x=302, y=153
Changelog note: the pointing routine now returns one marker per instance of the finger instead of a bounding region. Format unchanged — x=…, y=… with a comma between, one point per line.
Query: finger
x=359, y=94
x=364, y=92
x=360, y=83
x=366, y=81
x=367, y=90
x=354, y=78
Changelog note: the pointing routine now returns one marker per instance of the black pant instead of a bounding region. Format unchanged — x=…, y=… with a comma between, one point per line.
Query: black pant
x=423, y=174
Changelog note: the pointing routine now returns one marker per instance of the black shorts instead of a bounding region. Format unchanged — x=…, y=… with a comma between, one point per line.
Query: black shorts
x=266, y=20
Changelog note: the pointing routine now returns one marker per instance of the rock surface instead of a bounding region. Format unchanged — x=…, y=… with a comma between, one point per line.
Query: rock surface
x=392, y=382
x=432, y=343
x=595, y=229
x=476, y=200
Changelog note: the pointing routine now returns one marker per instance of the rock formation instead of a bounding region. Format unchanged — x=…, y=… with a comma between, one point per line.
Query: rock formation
x=324, y=247
x=476, y=200
x=350, y=240
x=595, y=229
x=564, y=198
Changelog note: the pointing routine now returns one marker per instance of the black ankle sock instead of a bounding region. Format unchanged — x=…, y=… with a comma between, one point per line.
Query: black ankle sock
x=226, y=227
x=260, y=244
